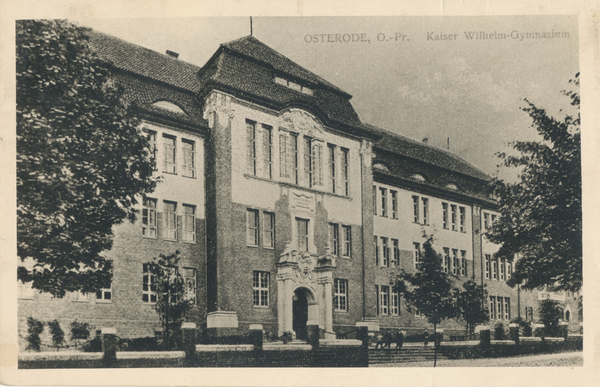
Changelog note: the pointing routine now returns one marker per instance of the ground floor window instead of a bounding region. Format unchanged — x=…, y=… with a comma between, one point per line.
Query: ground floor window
x=260, y=288
x=340, y=295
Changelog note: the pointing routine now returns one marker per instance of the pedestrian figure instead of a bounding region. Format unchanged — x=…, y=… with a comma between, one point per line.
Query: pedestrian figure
x=387, y=338
x=399, y=340
x=379, y=341
x=425, y=337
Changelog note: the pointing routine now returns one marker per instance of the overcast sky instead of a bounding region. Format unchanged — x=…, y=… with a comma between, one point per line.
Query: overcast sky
x=400, y=77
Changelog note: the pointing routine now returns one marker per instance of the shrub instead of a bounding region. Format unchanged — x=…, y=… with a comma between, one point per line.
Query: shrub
x=34, y=329
x=80, y=331
x=94, y=345
x=499, y=333
x=58, y=336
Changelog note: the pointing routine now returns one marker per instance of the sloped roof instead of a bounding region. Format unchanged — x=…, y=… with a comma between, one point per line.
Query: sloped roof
x=398, y=144
x=145, y=62
x=251, y=47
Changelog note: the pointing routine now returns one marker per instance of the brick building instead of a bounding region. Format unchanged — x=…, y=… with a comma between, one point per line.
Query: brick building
x=286, y=208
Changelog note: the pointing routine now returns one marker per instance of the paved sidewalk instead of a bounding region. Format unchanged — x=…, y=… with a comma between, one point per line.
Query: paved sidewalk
x=566, y=359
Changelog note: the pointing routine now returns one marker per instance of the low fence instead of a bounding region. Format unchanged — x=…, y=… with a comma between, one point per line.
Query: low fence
x=318, y=353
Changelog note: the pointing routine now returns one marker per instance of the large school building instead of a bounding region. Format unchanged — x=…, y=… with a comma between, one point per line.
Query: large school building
x=285, y=206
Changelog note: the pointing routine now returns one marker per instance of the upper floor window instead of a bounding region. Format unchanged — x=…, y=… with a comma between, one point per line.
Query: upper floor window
x=340, y=294
x=502, y=269
x=417, y=254
x=455, y=262
x=394, y=304
x=495, y=269
x=188, y=226
x=332, y=174
x=149, y=286
x=416, y=216
x=394, y=195
x=104, y=294
x=385, y=250
x=153, y=148
x=374, y=200
x=509, y=268
x=260, y=288
x=313, y=156
x=463, y=261
x=384, y=300
x=293, y=85
x=376, y=250
x=492, y=307
x=189, y=158
x=383, y=201
x=169, y=220
x=288, y=156
x=463, y=218
x=268, y=151
x=346, y=241
x=446, y=263
x=345, y=171
x=269, y=229
x=149, y=218
x=334, y=238
x=252, y=223
x=445, y=215
x=251, y=143
x=302, y=230
x=453, y=216
x=420, y=210
x=488, y=261
x=170, y=157
x=425, y=203
x=396, y=254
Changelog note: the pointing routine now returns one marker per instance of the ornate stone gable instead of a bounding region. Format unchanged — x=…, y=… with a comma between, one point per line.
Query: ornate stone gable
x=302, y=122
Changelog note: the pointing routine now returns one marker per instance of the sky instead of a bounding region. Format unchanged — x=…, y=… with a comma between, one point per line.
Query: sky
x=419, y=76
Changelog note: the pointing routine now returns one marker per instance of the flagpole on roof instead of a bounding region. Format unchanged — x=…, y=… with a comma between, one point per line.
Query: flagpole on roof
x=250, y=25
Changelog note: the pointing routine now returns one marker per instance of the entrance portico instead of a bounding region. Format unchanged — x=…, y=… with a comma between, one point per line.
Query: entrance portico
x=304, y=293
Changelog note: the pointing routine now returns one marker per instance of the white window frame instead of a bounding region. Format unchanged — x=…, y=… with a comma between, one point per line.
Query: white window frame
x=463, y=263
x=252, y=227
x=463, y=217
x=331, y=149
x=383, y=201
x=251, y=147
x=394, y=304
x=425, y=203
x=188, y=234
x=189, y=278
x=416, y=254
x=445, y=216
x=170, y=154
x=340, y=295
x=386, y=252
x=446, y=263
x=346, y=170
x=455, y=268
x=346, y=241
x=188, y=149
x=453, y=216
x=492, y=307
x=149, y=228
x=105, y=294
x=396, y=254
x=260, y=288
x=384, y=300
x=416, y=210
x=169, y=229
x=268, y=230
x=394, y=200
x=334, y=238
x=268, y=151
x=488, y=264
x=303, y=238
x=149, y=286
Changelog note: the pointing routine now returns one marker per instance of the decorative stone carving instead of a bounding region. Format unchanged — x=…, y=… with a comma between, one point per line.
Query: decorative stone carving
x=301, y=121
x=220, y=104
x=305, y=269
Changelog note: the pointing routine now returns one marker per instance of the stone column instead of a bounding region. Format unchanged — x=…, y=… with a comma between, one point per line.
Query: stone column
x=514, y=332
x=325, y=295
x=285, y=274
x=188, y=338
x=484, y=338
x=109, y=346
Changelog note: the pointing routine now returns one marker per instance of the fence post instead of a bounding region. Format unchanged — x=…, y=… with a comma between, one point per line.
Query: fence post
x=539, y=331
x=362, y=334
x=484, y=338
x=564, y=326
x=109, y=346
x=188, y=338
x=312, y=331
x=514, y=332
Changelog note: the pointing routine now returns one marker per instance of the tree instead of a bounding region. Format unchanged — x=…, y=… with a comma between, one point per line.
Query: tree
x=541, y=214
x=172, y=305
x=550, y=314
x=471, y=305
x=429, y=289
x=81, y=158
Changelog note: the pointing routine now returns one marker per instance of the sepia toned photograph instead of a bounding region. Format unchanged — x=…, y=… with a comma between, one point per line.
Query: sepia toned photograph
x=390, y=192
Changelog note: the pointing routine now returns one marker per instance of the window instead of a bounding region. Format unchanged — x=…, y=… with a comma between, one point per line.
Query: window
x=493, y=220
x=492, y=308
x=252, y=228
x=346, y=241
x=345, y=171
x=383, y=192
x=189, y=280
x=313, y=151
x=445, y=215
x=189, y=158
x=396, y=256
x=463, y=218
x=529, y=313
x=376, y=251
x=149, y=218
x=417, y=254
x=149, y=287
x=417, y=312
x=269, y=229
x=495, y=269
x=486, y=221
x=507, y=308
x=394, y=304
x=425, y=210
x=251, y=143
x=340, y=295
x=334, y=238
x=260, y=288
x=463, y=263
x=267, y=151
x=79, y=297
x=169, y=220
x=331, y=150
x=386, y=251
x=374, y=200
x=415, y=209
x=288, y=156
x=488, y=259
x=188, y=226
x=169, y=164
x=502, y=269
x=153, y=149
x=384, y=300
x=394, y=195
x=302, y=225
x=25, y=290
x=453, y=215
x=509, y=266
x=500, y=308
x=446, y=260
x=455, y=264
x=104, y=294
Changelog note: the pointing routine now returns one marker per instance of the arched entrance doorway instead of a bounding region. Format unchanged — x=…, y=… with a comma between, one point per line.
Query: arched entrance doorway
x=304, y=309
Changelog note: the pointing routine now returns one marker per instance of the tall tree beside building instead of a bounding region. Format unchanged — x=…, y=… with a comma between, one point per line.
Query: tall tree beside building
x=541, y=214
x=471, y=305
x=429, y=289
x=81, y=158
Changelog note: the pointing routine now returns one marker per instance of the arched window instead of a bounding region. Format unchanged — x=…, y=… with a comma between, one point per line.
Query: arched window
x=568, y=316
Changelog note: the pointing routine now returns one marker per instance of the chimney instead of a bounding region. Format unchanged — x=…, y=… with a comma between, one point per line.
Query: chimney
x=425, y=140
x=172, y=54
